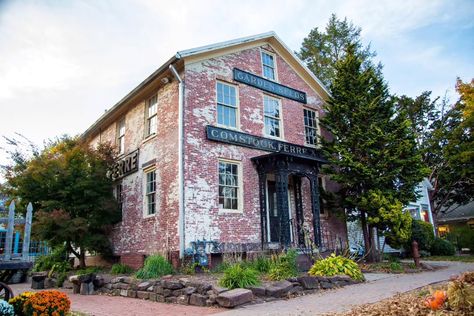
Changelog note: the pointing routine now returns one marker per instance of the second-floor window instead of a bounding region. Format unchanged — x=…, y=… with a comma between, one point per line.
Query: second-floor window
x=151, y=116
x=268, y=65
x=226, y=105
x=272, y=114
x=311, y=127
x=121, y=136
x=150, y=192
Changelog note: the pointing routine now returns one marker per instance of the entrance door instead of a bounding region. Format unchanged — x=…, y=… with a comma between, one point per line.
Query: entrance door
x=273, y=219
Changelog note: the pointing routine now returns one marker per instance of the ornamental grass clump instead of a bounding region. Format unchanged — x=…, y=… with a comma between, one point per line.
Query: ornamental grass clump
x=155, y=266
x=19, y=301
x=120, y=268
x=284, y=266
x=239, y=276
x=461, y=294
x=337, y=265
x=6, y=309
x=45, y=303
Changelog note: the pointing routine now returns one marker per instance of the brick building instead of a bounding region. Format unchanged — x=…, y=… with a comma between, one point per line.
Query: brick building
x=220, y=145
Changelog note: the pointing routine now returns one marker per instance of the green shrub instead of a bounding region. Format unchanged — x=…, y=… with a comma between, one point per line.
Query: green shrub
x=336, y=265
x=260, y=264
x=89, y=270
x=284, y=266
x=221, y=267
x=441, y=247
x=395, y=266
x=155, y=266
x=422, y=232
x=462, y=237
x=238, y=276
x=46, y=262
x=120, y=268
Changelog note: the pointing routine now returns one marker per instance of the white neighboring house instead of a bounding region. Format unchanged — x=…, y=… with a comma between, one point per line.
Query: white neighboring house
x=419, y=209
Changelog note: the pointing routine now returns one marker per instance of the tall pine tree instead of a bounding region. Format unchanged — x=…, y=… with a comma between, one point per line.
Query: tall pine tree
x=372, y=153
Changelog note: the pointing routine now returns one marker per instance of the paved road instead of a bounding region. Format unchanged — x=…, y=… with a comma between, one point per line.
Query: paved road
x=378, y=287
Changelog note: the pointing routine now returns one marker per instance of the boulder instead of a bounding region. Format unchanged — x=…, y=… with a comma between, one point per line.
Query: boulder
x=258, y=290
x=327, y=285
x=197, y=300
x=219, y=290
x=183, y=300
x=234, y=297
x=279, y=289
x=172, y=284
x=309, y=282
x=144, y=295
x=143, y=286
x=203, y=288
x=160, y=298
x=171, y=299
x=131, y=293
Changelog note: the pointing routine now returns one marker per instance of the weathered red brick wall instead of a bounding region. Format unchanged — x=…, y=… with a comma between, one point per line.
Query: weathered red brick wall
x=203, y=220
x=138, y=235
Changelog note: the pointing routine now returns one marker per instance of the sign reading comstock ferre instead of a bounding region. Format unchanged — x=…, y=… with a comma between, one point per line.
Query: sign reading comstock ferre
x=125, y=166
x=269, y=86
x=257, y=142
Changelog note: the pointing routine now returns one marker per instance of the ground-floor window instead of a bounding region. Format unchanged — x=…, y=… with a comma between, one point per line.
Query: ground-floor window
x=119, y=195
x=229, y=185
x=150, y=192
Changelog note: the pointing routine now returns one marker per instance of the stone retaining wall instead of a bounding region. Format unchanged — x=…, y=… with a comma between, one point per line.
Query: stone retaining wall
x=187, y=292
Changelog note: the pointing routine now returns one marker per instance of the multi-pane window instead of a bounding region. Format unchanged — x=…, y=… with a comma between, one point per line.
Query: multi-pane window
x=228, y=185
x=152, y=120
x=119, y=195
x=121, y=136
x=272, y=116
x=268, y=65
x=311, y=127
x=226, y=105
x=150, y=192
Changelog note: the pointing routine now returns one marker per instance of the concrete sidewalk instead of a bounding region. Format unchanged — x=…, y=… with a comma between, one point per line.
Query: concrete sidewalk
x=378, y=287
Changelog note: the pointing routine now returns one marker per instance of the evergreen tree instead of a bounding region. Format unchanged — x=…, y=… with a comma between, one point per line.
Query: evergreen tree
x=321, y=50
x=372, y=154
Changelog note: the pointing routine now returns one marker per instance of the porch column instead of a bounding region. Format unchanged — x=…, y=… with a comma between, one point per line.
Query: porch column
x=315, y=209
x=262, y=181
x=299, y=210
x=282, y=206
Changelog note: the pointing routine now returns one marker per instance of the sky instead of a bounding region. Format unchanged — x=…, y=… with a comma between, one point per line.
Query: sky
x=63, y=63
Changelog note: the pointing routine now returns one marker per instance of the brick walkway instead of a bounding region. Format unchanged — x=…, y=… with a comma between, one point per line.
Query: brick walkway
x=103, y=305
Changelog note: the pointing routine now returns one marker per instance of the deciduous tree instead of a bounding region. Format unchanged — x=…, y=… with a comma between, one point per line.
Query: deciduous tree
x=67, y=183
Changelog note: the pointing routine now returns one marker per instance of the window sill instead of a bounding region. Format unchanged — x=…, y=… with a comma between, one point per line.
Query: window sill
x=229, y=127
x=148, y=138
x=229, y=211
x=274, y=137
x=149, y=216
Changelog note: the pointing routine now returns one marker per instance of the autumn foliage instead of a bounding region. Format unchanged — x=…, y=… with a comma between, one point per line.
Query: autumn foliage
x=436, y=300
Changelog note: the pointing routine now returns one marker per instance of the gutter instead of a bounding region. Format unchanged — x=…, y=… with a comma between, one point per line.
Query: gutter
x=181, y=221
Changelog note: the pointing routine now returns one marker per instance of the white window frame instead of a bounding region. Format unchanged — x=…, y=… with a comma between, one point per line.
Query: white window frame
x=275, y=72
x=236, y=107
x=147, y=194
x=281, y=137
x=240, y=187
x=121, y=136
x=317, y=128
x=148, y=120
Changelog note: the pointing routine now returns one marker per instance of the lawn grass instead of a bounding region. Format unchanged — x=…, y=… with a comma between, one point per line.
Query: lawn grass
x=464, y=258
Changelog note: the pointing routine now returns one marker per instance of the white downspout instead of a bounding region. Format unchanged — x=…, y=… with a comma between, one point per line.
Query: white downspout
x=181, y=231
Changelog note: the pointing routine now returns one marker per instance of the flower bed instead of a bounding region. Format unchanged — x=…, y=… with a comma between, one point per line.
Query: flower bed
x=188, y=291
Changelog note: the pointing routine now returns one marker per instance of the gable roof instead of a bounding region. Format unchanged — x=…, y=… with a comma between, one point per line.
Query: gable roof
x=270, y=37
x=459, y=213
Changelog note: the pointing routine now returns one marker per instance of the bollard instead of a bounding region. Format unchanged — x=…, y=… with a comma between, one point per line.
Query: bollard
x=416, y=253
